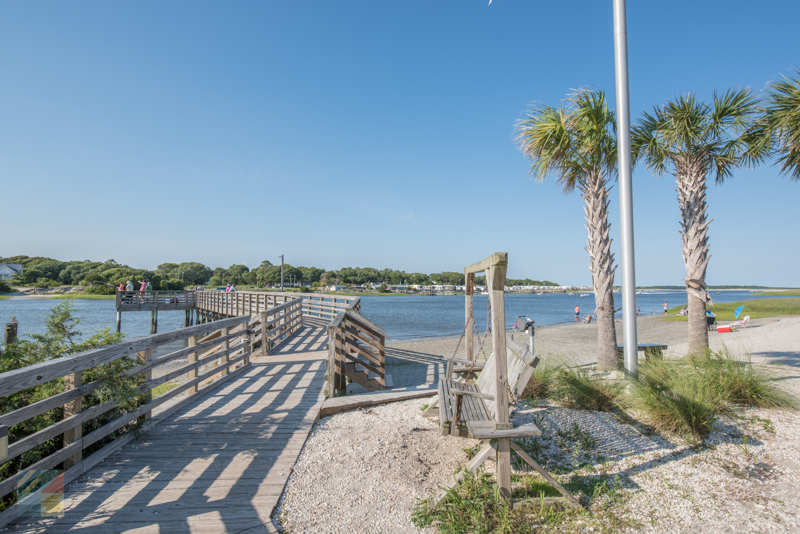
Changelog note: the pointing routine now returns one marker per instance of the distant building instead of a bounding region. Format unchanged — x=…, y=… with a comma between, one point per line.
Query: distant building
x=9, y=270
x=336, y=288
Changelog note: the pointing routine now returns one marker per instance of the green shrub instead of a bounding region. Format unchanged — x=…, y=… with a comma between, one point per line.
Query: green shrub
x=303, y=289
x=62, y=338
x=475, y=505
x=542, y=382
x=100, y=290
x=4, y=288
x=740, y=382
x=676, y=397
x=574, y=388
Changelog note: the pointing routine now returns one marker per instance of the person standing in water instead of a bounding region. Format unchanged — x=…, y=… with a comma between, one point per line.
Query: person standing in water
x=577, y=312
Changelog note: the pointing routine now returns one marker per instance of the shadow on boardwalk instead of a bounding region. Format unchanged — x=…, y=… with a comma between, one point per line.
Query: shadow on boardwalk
x=217, y=465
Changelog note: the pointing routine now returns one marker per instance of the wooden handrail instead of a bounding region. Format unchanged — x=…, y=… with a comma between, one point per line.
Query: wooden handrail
x=201, y=371
x=352, y=338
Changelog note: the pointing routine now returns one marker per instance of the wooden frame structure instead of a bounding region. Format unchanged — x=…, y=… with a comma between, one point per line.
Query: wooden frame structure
x=496, y=436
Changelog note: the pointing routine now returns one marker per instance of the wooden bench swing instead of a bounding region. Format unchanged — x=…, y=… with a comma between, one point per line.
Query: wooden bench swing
x=480, y=410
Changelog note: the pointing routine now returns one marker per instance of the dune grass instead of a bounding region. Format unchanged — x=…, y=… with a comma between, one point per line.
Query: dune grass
x=784, y=293
x=756, y=309
x=576, y=388
x=543, y=380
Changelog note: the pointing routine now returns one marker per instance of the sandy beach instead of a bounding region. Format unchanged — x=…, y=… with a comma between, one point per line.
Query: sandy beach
x=388, y=457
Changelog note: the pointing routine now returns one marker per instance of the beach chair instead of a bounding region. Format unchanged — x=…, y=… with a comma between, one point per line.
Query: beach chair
x=743, y=323
x=467, y=410
x=711, y=322
x=587, y=320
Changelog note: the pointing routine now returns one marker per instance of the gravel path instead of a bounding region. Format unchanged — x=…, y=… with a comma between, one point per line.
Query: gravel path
x=364, y=471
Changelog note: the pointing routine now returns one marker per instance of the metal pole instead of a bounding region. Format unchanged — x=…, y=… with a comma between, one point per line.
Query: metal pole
x=625, y=189
x=281, y=272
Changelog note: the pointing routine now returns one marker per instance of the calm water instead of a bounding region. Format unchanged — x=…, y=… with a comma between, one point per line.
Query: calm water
x=403, y=317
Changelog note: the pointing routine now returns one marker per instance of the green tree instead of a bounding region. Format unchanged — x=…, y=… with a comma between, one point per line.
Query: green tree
x=690, y=140
x=782, y=121
x=577, y=144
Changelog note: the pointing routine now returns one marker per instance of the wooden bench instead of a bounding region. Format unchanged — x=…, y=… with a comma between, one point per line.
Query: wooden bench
x=651, y=350
x=475, y=417
x=477, y=399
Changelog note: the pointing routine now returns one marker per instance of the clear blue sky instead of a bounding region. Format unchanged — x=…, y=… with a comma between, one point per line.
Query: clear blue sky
x=361, y=133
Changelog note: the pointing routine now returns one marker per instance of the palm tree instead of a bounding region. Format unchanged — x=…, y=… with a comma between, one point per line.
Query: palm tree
x=577, y=143
x=782, y=118
x=692, y=139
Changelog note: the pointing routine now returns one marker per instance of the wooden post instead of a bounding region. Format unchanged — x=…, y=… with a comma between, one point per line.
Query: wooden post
x=191, y=358
x=225, y=346
x=10, y=333
x=73, y=381
x=144, y=357
x=469, y=319
x=382, y=356
x=333, y=370
x=154, y=321
x=119, y=321
x=341, y=386
x=264, y=342
x=247, y=344
x=496, y=280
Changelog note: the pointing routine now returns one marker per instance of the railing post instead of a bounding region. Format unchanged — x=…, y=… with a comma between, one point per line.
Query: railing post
x=191, y=358
x=382, y=357
x=333, y=369
x=73, y=381
x=225, y=346
x=341, y=349
x=264, y=341
x=247, y=344
x=144, y=357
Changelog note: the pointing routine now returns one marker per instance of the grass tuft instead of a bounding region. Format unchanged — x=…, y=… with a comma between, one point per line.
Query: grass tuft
x=740, y=382
x=543, y=381
x=756, y=309
x=575, y=388
x=675, y=399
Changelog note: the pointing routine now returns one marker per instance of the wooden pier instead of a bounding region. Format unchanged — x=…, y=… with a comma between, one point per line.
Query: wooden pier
x=227, y=405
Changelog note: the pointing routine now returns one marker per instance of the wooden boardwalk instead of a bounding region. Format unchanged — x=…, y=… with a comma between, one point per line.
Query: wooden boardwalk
x=217, y=465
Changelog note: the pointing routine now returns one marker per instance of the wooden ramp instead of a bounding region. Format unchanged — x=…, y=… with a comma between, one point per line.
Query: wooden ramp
x=217, y=465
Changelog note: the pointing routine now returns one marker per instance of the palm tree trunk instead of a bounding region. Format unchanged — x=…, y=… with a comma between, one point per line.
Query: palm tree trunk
x=694, y=227
x=595, y=195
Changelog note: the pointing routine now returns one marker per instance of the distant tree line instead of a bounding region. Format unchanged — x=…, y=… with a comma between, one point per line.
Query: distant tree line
x=103, y=277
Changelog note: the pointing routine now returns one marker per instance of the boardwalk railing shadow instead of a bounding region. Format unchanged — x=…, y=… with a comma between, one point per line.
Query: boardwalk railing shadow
x=217, y=465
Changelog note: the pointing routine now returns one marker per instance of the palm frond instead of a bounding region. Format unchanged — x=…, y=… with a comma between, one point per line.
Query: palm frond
x=782, y=117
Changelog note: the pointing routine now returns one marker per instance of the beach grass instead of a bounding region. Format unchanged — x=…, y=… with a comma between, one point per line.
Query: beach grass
x=756, y=309
x=785, y=293
x=83, y=296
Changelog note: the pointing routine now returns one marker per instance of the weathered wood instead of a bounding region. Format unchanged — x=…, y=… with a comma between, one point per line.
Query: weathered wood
x=73, y=434
x=553, y=482
x=353, y=402
x=469, y=320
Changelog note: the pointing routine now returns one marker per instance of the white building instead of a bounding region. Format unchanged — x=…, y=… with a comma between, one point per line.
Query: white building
x=9, y=270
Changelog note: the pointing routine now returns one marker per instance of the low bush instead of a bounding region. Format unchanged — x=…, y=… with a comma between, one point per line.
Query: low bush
x=475, y=505
x=575, y=388
x=740, y=382
x=4, y=288
x=676, y=397
x=542, y=382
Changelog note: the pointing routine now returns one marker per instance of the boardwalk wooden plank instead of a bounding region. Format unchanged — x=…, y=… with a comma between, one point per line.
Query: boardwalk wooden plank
x=217, y=464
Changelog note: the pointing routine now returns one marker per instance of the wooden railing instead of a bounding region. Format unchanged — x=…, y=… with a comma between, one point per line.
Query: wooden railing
x=352, y=338
x=216, y=352
x=155, y=300
x=277, y=324
x=254, y=302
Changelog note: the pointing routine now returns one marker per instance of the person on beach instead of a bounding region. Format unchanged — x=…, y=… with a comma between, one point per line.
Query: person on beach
x=665, y=307
x=577, y=313
x=638, y=310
